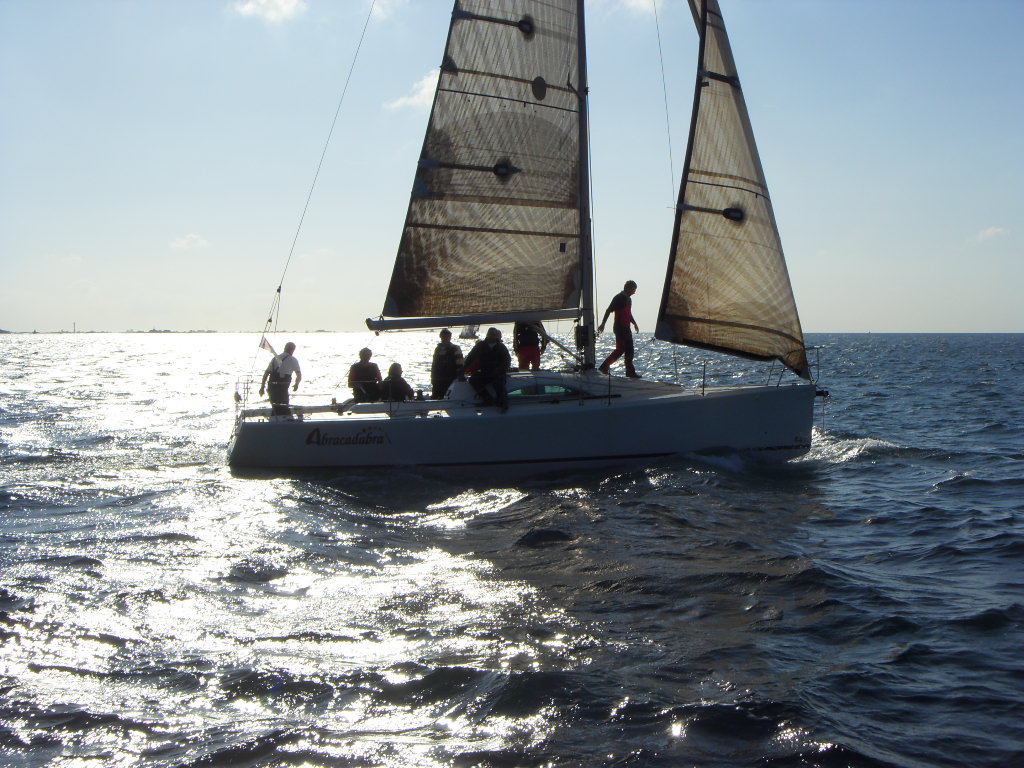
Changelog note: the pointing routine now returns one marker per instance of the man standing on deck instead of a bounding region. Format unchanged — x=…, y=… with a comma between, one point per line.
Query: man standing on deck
x=529, y=342
x=622, y=306
x=447, y=365
x=279, y=373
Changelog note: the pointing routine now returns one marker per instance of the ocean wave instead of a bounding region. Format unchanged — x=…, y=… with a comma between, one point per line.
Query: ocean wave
x=837, y=449
x=969, y=481
x=168, y=537
x=244, y=751
x=305, y=637
x=536, y=757
x=9, y=601
x=38, y=458
x=523, y=694
x=256, y=570
x=283, y=687
x=86, y=442
x=69, y=561
x=646, y=585
x=61, y=719
x=994, y=619
x=437, y=685
x=891, y=626
x=542, y=537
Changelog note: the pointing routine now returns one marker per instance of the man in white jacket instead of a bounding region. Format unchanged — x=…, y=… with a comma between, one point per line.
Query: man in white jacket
x=279, y=373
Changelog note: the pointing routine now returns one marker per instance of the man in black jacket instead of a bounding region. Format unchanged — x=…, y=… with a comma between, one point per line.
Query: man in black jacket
x=447, y=365
x=488, y=364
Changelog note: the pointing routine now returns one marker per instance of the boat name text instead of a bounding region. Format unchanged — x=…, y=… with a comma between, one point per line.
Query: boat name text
x=365, y=436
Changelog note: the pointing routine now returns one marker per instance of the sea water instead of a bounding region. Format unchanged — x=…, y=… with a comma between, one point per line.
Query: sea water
x=862, y=606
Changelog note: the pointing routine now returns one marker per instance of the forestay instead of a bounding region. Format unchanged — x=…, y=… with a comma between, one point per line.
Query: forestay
x=727, y=287
x=493, y=225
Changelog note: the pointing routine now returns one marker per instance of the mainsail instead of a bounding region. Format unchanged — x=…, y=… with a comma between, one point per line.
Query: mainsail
x=727, y=287
x=493, y=227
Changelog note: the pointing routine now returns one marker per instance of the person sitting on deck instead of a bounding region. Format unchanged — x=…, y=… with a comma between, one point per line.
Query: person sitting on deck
x=487, y=365
x=364, y=378
x=394, y=388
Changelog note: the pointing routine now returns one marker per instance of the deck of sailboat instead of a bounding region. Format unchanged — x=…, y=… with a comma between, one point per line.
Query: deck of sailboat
x=525, y=388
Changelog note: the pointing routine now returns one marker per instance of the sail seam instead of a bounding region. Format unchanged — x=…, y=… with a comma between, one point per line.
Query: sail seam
x=508, y=98
x=494, y=200
x=492, y=230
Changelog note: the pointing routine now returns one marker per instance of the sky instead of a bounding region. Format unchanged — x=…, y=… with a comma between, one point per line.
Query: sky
x=156, y=156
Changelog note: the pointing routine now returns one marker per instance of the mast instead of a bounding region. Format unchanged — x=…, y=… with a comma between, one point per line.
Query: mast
x=586, y=329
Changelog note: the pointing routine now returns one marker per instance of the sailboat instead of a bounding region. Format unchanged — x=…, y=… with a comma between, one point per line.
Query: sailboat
x=502, y=191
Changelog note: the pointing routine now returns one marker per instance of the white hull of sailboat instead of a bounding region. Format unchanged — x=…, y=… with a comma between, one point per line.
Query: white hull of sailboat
x=615, y=422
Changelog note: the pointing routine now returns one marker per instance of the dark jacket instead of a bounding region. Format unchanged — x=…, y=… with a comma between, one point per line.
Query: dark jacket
x=489, y=362
x=396, y=388
x=448, y=363
x=364, y=378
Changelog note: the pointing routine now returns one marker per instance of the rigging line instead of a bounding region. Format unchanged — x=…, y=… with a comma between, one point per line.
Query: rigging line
x=309, y=197
x=275, y=305
x=664, y=91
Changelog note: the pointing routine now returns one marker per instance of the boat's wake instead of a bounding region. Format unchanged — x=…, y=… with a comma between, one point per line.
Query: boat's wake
x=830, y=448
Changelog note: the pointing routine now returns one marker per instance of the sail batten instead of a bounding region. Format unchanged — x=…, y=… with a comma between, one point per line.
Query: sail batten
x=727, y=288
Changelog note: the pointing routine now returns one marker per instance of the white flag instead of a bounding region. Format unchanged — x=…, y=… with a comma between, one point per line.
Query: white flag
x=264, y=344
